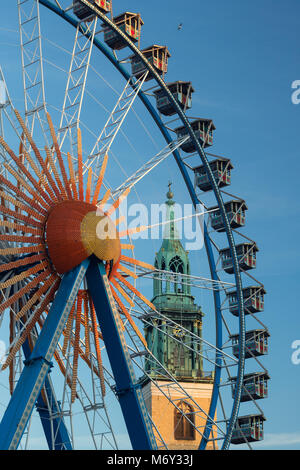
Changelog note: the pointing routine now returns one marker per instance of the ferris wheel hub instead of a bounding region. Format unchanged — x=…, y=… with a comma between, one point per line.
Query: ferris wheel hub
x=76, y=230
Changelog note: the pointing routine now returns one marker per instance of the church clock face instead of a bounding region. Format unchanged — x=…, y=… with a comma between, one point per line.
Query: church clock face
x=178, y=332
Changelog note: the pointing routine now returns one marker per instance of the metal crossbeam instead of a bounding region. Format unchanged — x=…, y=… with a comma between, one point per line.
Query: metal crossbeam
x=115, y=120
x=127, y=388
x=185, y=279
x=147, y=167
x=32, y=65
x=7, y=111
x=76, y=82
x=37, y=367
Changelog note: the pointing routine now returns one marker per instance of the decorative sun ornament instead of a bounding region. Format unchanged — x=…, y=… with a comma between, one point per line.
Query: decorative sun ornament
x=49, y=225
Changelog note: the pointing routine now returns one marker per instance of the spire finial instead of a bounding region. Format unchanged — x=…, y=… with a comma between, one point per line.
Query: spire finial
x=170, y=195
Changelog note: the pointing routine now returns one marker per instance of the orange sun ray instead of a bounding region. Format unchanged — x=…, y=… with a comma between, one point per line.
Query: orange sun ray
x=86, y=360
x=40, y=160
x=86, y=326
x=127, y=246
x=55, y=172
x=21, y=239
x=4, y=305
x=119, y=220
x=88, y=186
x=23, y=183
x=35, y=298
x=22, y=206
x=19, y=277
x=76, y=347
x=122, y=292
x=15, y=215
x=16, y=190
x=127, y=271
x=48, y=298
x=53, y=192
x=135, y=291
x=59, y=157
x=72, y=176
x=100, y=180
x=22, y=262
x=23, y=250
x=128, y=316
x=137, y=262
x=80, y=168
x=24, y=170
x=97, y=345
x=117, y=203
x=68, y=329
x=104, y=199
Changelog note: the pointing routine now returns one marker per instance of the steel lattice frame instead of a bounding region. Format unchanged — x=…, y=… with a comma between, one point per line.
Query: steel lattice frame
x=213, y=267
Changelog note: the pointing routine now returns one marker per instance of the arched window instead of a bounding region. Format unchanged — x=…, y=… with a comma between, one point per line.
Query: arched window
x=176, y=266
x=184, y=422
x=156, y=280
x=163, y=277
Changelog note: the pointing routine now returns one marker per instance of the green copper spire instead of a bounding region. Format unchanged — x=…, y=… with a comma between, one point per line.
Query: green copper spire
x=167, y=294
x=172, y=297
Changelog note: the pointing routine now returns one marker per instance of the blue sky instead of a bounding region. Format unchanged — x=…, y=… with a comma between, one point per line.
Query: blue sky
x=242, y=58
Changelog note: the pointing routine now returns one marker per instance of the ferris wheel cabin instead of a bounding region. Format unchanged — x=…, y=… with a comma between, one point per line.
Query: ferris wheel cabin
x=83, y=12
x=203, y=129
x=158, y=57
x=182, y=92
x=221, y=168
x=253, y=297
x=248, y=428
x=246, y=254
x=130, y=24
x=235, y=210
x=255, y=386
x=256, y=343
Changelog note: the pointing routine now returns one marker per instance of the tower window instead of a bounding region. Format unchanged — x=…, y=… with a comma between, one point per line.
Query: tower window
x=184, y=422
x=176, y=266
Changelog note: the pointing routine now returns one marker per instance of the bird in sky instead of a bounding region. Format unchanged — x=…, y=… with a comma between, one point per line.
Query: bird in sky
x=180, y=26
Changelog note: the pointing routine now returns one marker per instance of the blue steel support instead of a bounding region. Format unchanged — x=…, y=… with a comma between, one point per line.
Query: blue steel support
x=57, y=437
x=60, y=434
x=129, y=392
x=37, y=366
x=218, y=365
x=107, y=52
x=104, y=50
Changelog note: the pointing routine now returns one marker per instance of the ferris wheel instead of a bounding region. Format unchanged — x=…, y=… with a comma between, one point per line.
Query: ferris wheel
x=90, y=350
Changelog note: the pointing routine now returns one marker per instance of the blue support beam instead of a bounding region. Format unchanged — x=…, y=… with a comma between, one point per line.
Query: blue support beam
x=54, y=428
x=57, y=437
x=38, y=365
x=145, y=100
x=129, y=392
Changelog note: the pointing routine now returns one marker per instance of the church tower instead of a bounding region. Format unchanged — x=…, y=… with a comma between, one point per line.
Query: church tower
x=176, y=347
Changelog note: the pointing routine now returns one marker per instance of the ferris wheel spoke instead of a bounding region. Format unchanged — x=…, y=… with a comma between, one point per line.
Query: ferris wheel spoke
x=12, y=429
x=144, y=438
x=7, y=111
x=166, y=391
x=49, y=206
x=32, y=65
x=76, y=82
x=99, y=423
x=115, y=120
x=148, y=167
